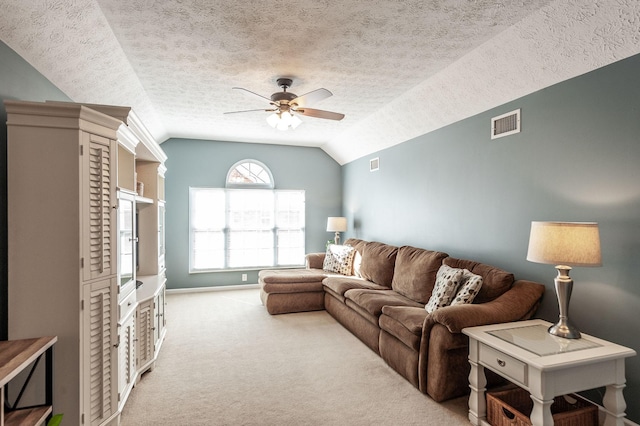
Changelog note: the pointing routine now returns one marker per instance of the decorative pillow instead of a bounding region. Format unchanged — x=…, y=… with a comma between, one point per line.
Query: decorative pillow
x=448, y=281
x=357, y=262
x=357, y=259
x=495, y=281
x=339, y=259
x=469, y=289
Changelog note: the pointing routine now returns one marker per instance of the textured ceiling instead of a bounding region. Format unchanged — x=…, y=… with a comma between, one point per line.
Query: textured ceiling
x=397, y=69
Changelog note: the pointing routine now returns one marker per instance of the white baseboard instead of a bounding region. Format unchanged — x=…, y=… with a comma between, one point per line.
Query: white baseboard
x=213, y=288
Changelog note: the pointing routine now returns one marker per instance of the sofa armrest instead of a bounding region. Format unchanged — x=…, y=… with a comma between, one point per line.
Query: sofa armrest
x=520, y=302
x=314, y=260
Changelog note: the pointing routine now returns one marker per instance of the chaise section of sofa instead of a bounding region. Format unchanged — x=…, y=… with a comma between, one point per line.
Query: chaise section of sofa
x=284, y=291
x=292, y=290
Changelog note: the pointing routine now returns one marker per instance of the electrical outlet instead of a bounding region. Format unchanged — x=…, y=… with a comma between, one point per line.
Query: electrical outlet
x=244, y=277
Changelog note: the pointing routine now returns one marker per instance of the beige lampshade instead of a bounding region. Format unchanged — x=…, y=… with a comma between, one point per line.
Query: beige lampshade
x=336, y=224
x=565, y=243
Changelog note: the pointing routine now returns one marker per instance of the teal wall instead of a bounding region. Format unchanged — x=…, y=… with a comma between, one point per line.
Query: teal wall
x=18, y=80
x=576, y=159
x=206, y=163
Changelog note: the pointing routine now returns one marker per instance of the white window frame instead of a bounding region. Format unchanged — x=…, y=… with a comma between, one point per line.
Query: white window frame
x=276, y=229
x=251, y=166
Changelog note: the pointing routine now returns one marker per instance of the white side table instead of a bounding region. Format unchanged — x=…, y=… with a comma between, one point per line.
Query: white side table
x=546, y=366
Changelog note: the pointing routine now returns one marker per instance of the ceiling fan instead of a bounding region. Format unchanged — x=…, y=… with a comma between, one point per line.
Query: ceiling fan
x=286, y=106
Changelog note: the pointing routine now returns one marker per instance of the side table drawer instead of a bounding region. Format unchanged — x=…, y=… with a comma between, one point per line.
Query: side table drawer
x=503, y=364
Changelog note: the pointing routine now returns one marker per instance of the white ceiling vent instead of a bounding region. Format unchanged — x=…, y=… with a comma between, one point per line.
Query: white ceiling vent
x=374, y=164
x=505, y=124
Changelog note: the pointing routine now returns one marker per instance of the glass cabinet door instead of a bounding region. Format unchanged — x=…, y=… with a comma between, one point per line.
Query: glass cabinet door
x=127, y=238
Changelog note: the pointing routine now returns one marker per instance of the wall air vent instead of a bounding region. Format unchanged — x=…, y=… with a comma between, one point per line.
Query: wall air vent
x=374, y=164
x=505, y=124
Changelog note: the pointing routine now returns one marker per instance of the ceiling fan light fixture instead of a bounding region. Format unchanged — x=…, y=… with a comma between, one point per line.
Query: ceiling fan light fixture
x=287, y=107
x=273, y=119
x=283, y=120
x=295, y=121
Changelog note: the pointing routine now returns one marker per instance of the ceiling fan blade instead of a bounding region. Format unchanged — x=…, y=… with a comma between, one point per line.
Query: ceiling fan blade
x=318, y=113
x=311, y=97
x=253, y=93
x=250, y=110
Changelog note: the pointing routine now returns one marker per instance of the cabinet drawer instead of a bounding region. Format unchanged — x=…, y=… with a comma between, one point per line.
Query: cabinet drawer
x=503, y=364
x=127, y=305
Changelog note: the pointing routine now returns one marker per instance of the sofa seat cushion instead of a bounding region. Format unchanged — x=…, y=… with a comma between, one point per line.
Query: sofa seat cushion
x=415, y=272
x=404, y=323
x=495, y=281
x=371, y=302
x=291, y=280
x=340, y=285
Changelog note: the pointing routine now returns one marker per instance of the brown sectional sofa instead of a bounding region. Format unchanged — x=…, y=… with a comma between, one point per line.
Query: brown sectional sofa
x=383, y=304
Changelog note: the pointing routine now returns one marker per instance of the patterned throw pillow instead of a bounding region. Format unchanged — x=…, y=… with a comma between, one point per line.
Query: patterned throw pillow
x=339, y=259
x=469, y=289
x=448, y=281
x=357, y=261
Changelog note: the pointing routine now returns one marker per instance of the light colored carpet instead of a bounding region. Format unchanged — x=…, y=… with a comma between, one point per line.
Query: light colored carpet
x=226, y=361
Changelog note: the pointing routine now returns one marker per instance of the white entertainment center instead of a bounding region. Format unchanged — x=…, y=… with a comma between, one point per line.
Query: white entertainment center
x=86, y=249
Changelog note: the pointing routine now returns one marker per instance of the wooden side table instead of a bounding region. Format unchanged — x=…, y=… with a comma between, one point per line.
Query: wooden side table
x=15, y=356
x=546, y=366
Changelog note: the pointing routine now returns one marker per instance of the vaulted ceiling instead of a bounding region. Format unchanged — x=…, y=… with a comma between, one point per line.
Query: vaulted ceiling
x=397, y=69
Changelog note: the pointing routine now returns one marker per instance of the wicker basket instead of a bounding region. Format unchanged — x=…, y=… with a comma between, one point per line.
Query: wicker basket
x=513, y=407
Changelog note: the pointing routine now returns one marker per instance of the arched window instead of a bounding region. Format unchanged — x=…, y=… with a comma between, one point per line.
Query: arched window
x=248, y=224
x=249, y=174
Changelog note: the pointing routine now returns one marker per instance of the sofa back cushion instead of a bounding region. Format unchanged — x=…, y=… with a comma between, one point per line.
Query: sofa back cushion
x=356, y=243
x=378, y=262
x=495, y=281
x=415, y=272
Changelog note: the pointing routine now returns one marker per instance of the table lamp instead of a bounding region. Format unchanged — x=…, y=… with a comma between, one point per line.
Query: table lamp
x=337, y=225
x=564, y=244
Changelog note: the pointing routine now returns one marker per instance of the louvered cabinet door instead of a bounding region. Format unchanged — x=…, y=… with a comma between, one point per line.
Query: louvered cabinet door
x=126, y=358
x=144, y=330
x=99, y=239
x=100, y=341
